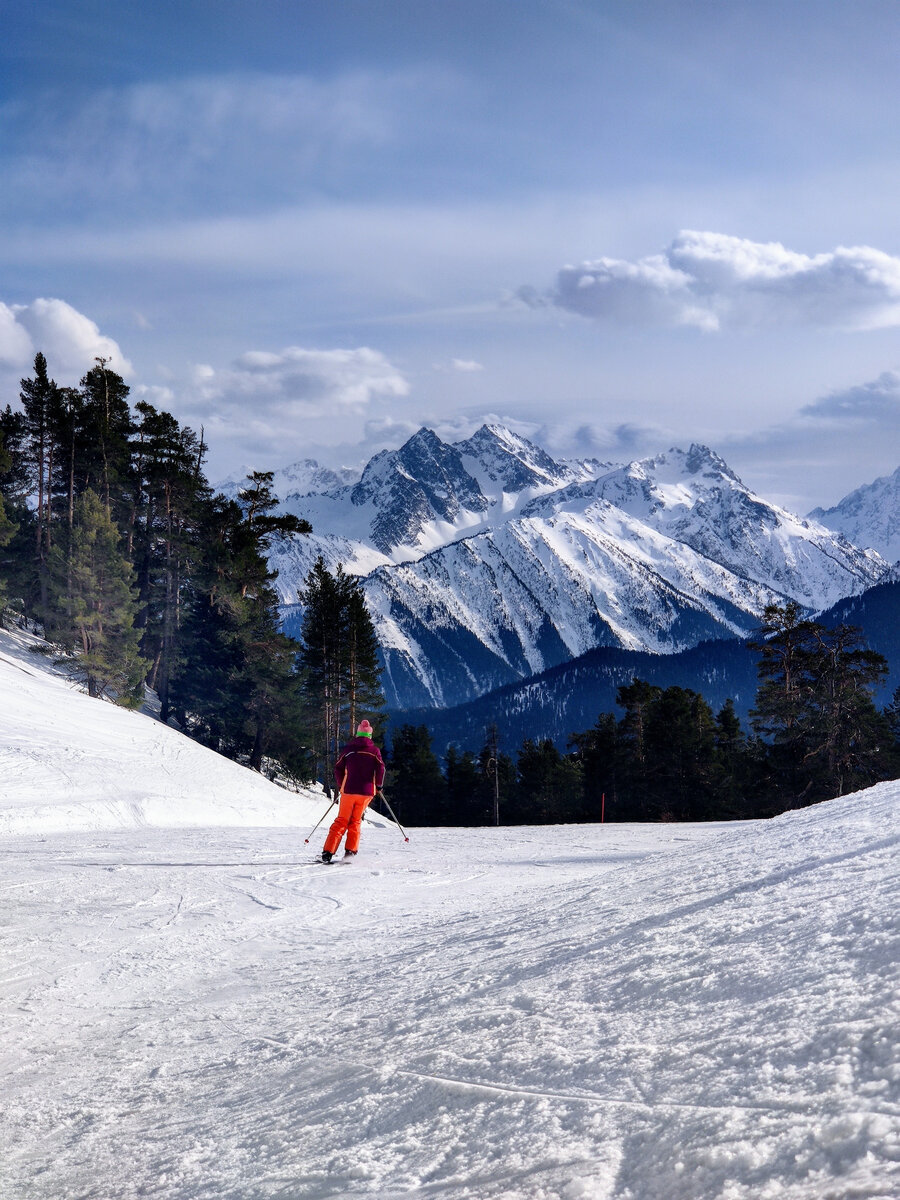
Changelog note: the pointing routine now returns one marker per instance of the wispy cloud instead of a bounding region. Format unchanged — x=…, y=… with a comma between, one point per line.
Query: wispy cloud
x=830, y=447
x=713, y=281
x=220, y=142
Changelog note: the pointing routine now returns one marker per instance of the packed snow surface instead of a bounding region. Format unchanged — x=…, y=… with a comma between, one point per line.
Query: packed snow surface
x=625, y=1012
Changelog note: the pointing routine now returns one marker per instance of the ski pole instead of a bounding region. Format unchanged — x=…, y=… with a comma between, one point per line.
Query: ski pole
x=319, y=822
x=391, y=811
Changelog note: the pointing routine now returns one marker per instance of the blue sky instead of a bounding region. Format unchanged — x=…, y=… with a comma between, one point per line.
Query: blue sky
x=312, y=227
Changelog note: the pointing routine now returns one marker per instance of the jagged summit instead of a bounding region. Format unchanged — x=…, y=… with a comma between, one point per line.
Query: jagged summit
x=868, y=516
x=486, y=560
x=422, y=482
x=511, y=460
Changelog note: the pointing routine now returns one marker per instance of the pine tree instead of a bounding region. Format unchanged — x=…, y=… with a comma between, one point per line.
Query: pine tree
x=8, y=530
x=41, y=407
x=170, y=491
x=636, y=699
x=338, y=662
x=599, y=752
x=103, y=448
x=814, y=705
x=464, y=791
x=418, y=790
x=19, y=564
x=847, y=733
x=679, y=743
x=96, y=594
x=549, y=786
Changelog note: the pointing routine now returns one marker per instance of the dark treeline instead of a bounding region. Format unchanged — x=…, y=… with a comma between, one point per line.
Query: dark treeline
x=114, y=543
x=815, y=734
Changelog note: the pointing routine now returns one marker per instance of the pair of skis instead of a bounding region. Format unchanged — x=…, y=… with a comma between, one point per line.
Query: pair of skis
x=380, y=796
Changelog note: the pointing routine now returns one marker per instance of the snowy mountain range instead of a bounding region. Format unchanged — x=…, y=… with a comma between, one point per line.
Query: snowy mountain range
x=486, y=561
x=869, y=516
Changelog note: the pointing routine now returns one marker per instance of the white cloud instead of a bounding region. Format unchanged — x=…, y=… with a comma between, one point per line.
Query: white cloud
x=466, y=365
x=69, y=340
x=16, y=346
x=712, y=281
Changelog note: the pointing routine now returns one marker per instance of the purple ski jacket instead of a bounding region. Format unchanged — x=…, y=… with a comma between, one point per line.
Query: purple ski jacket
x=359, y=770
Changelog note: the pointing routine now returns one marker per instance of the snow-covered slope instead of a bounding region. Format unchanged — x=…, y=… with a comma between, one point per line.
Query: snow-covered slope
x=565, y=1013
x=487, y=561
x=70, y=762
x=657, y=556
x=870, y=516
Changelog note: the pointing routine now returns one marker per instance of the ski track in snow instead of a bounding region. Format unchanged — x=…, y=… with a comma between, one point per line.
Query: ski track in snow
x=193, y=1009
x=621, y=1011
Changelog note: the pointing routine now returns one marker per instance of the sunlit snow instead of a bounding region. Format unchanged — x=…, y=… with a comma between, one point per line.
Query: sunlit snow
x=193, y=1010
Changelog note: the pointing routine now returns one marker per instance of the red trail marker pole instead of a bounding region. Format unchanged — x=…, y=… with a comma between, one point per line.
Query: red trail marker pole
x=602, y=807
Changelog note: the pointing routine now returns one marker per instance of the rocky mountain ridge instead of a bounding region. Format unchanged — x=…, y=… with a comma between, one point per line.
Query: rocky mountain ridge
x=868, y=516
x=486, y=561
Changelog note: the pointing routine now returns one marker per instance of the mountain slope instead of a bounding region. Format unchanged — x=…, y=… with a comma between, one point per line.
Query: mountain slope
x=569, y=697
x=486, y=561
x=869, y=516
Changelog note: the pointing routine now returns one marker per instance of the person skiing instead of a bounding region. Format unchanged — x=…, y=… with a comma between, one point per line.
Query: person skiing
x=358, y=774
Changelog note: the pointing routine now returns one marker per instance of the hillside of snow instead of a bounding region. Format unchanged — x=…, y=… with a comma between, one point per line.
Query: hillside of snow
x=191, y=1009
x=70, y=762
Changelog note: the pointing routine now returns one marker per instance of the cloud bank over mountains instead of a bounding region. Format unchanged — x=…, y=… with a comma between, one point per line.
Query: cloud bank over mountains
x=340, y=405
x=714, y=281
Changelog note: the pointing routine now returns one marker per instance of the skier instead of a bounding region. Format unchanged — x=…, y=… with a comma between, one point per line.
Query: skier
x=358, y=774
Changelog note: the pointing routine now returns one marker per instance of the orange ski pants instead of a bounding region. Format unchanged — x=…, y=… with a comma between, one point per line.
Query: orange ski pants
x=350, y=814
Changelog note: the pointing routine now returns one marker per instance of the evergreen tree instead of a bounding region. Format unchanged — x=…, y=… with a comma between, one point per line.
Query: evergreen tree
x=497, y=783
x=234, y=684
x=679, y=744
x=102, y=443
x=19, y=569
x=465, y=788
x=847, y=733
x=7, y=532
x=814, y=706
x=418, y=790
x=41, y=407
x=599, y=752
x=737, y=762
x=636, y=699
x=550, y=787
x=170, y=492
x=338, y=662
x=96, y=587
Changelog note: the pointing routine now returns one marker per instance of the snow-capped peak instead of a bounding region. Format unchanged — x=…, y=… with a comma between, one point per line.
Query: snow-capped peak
x=868, y=516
